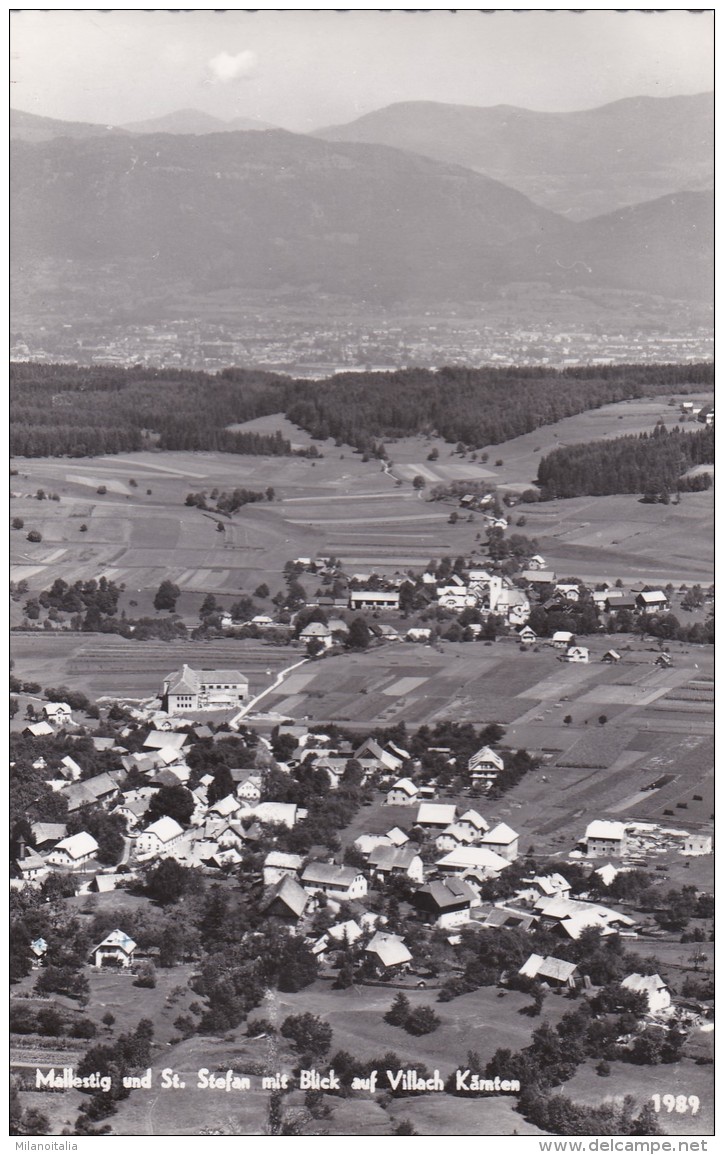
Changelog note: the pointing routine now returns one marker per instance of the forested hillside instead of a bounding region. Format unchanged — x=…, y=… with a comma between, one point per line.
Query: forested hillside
x=59, y=410
x=651, y=464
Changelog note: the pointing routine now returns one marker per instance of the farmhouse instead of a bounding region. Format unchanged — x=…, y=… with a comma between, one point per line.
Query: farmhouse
x=278, y=865
x=39, y=729
x=526, y=635
x=317, y=632
x=453, y=836
x=611, y=657
x=74, y=851
x=562, y=639
x=374, y=600
x=371, y=751
x=694, y=844
x=655, y=989
x=46, y=834
x=539, y=577
x=446, y=903
x=569, y=590
x=188, y=689
x=280, y=813
x=286, y=900
x=605, y=838
x=57, y=711
x=341, y=882
x=503, y=841
x=576, y=654
x=652, y=601
x=485, y=766
x=435, y=815
x=31, y=867
x=478, y=859
x=117, y=949
x=474, y=823
x=159, y=837
x=389, y=950
x=536, y=562
x=390, y=861
x=403, y=793
x=554, y=971
x=571, y=917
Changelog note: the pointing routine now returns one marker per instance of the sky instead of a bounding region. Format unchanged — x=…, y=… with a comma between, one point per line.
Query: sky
x=302, y=70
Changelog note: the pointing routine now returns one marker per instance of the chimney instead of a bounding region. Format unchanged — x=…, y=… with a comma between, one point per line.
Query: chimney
x=21, y=849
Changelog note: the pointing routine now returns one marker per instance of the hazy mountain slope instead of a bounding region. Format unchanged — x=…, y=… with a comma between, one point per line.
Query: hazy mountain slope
x=664, y=247
x=263, y=210
x=194, y=122
x=27, y=126
x=577, y=163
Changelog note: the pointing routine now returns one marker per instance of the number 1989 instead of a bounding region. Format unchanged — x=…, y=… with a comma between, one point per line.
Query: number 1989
x=679, y=1103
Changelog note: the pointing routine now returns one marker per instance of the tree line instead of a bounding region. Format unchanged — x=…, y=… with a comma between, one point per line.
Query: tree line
x=64, y=410
x=648, y=463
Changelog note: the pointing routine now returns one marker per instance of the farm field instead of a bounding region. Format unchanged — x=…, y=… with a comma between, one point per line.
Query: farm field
x=108, y=665
x=337, y=504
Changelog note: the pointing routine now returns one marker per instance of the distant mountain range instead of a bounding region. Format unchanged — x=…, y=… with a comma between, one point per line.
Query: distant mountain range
x=187, y=121
x=580, y=164
x=262, y=211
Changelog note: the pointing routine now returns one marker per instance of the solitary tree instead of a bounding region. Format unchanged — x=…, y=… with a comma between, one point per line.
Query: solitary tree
x=167, y=595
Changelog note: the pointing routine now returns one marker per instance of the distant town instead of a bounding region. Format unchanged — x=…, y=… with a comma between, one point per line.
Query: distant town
x=305, y=349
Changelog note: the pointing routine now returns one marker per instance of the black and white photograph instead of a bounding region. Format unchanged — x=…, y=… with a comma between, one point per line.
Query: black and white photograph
x=361, y=531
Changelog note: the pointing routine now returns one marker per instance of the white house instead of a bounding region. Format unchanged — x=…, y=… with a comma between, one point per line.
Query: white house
x=474, y=823
x=655, y=989
x=418, y=634
x=340, y=882
x=695, y=844
x=576, y=654
x=484, y=766
x=503, y=841
x=57, y=711
x=74, y=851
x=605, y=839
x=159, y=837
x=117, y=949
x=317, y=632
x=453, y=836
x=403, y=793
x=562, y=639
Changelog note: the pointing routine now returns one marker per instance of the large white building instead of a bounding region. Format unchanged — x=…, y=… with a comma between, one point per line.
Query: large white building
x=188, y=689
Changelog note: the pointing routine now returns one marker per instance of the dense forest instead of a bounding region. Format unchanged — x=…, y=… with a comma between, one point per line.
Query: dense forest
x=650, y=463
x=64, y=410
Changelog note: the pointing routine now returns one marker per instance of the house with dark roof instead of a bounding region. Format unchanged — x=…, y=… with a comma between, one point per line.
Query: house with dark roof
x=286, y=899
x=446, y=903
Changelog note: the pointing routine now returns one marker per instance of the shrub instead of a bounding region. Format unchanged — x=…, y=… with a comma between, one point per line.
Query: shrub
x=422, y=1021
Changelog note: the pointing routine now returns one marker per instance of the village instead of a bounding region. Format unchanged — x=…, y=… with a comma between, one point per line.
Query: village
x=384, y=800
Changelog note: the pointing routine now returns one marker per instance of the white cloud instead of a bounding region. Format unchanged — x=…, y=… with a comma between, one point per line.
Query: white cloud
x=225, y=67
